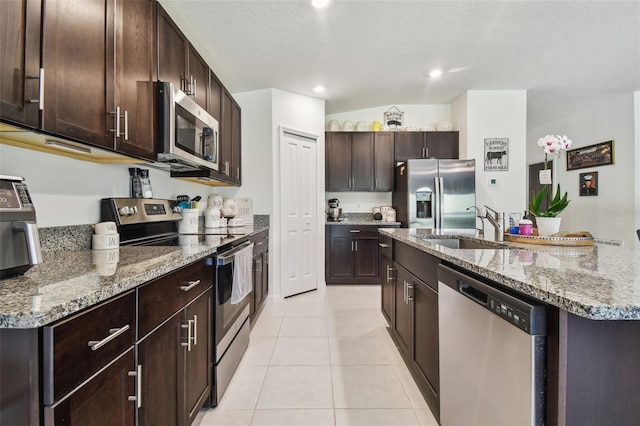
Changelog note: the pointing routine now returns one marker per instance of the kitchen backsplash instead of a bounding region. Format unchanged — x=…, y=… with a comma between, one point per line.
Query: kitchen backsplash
x=359, y=202
x=78, y=237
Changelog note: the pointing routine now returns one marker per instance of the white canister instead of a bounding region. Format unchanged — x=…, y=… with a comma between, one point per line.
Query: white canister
x=189, y=222
x=334, y=126
x=347, y=126
x=214, y=200
x=211, y=217
x=361, y=126
x=390, y=215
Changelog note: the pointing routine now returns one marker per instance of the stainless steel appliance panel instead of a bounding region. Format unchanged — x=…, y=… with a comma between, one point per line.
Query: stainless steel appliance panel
x=458, y=192
x=422, y=192
x=431, y=193
x=491, y=371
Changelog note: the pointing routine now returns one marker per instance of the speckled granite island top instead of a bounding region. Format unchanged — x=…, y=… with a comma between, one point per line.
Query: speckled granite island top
x=67, y=282
x=599, y=282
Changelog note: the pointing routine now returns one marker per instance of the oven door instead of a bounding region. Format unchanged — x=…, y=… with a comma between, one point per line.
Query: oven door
x=229, y=317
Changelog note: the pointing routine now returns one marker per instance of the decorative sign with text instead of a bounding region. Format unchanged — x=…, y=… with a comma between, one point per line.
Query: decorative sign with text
x=496, y=154
x=394, y=118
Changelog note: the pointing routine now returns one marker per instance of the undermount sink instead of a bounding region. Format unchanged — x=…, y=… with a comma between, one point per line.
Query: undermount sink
x=456, y=243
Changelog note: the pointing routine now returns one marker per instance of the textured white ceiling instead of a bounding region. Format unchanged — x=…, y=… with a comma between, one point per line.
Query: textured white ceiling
x=566, y=54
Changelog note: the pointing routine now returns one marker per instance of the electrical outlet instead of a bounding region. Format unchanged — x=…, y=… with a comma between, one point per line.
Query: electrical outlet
x=373, y=205
x=357, y=205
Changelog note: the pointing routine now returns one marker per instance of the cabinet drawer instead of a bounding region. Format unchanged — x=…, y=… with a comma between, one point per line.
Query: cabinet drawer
x=385, y=245
x=161, y=298
x=356, y=231
x=77, y=347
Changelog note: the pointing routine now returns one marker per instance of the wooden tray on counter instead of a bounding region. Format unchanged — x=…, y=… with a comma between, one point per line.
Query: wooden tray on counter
x=549, y=241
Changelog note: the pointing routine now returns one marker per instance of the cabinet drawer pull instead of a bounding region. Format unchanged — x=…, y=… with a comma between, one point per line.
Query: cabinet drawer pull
x=191, y=284
x=113, y=333
x=383, y=245
x=354, y=230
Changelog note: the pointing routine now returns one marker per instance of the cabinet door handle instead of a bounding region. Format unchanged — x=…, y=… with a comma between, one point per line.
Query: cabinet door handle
x=195, y=330
x=356, y=246
x=40, y=100
x=195, y=87
x=138, y=396
x=389, y=269
x=383, y=245
x=409, y=292
x=113, y=333
x=117, y=127
x=189, y=335
x=190, y=285
x=126, y=125
x=351, y=245
x=426, y=152
x=238, y=173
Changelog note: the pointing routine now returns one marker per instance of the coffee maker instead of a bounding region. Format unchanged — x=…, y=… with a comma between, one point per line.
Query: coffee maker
x=334, y=213
x=18, y=230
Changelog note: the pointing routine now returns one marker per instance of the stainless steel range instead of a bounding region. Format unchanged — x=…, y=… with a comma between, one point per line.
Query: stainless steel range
x=153, y=222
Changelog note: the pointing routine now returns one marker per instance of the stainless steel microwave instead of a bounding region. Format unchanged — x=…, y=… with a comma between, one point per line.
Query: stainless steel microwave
x=188, y=134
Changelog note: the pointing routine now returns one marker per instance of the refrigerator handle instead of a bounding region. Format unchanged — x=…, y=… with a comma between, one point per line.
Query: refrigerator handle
x=441, y=201
x=436, y=203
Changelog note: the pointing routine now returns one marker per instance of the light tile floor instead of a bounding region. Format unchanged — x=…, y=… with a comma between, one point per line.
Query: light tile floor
x=322, y=358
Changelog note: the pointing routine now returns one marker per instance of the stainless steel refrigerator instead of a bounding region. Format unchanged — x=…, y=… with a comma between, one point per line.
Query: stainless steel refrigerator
x=430, y=193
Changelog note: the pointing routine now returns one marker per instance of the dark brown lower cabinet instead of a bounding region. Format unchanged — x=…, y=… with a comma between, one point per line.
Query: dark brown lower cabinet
x=174, y=362
x=425, y=353
x=415, y=326
x=260, y=274
x=387, y=278
x=103, y=400
x=351, y=254
x=158, y=360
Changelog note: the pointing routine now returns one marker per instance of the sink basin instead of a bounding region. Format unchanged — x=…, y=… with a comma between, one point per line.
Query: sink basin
x=456, y=243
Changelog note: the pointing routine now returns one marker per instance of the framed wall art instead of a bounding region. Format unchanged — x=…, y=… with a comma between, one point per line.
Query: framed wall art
x=588, y=184
x=600, y=154
x=496, y=154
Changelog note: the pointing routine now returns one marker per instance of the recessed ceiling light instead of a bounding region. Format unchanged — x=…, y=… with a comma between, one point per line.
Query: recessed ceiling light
x=319, y=3
x=435, y=73
x=318, y=89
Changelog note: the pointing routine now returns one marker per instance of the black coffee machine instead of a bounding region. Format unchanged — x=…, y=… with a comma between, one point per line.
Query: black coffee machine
x=18, y=230
x=334, y=213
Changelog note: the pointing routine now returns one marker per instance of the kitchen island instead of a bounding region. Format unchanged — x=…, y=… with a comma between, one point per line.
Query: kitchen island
x=592, y=296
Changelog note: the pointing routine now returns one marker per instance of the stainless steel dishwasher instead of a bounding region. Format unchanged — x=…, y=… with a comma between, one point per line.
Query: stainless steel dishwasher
x=492, y=353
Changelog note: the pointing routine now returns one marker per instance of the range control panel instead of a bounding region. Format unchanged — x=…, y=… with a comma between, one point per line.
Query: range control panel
x=128, y=211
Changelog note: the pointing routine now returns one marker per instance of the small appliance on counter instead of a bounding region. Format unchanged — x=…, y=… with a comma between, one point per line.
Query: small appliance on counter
x=334, y=213
x=19, y=236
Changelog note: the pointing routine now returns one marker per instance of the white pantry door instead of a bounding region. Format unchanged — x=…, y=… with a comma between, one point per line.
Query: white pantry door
x=298, y=201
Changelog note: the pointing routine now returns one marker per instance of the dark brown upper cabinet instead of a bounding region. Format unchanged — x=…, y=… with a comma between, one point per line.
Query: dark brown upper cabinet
x=359, y=161
x=98, y=63
x=426, y=145
x=178, y=61
x=20, y=65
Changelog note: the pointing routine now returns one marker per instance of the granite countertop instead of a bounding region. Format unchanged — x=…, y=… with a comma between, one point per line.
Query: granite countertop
x=360, y=219
x=596, y=282
x=67, y=282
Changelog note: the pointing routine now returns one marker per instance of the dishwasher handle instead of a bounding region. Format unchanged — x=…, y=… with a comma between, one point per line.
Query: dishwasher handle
x=473, y=293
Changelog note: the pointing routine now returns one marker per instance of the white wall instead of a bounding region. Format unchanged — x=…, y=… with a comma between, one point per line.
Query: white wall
x=414, y=115
x=614, y=212
x=66, y=191
x=636, y=97
x=264, y=112
x=495, y=114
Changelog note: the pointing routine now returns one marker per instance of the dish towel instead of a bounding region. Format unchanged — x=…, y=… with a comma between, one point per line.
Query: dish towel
x=242, y=279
